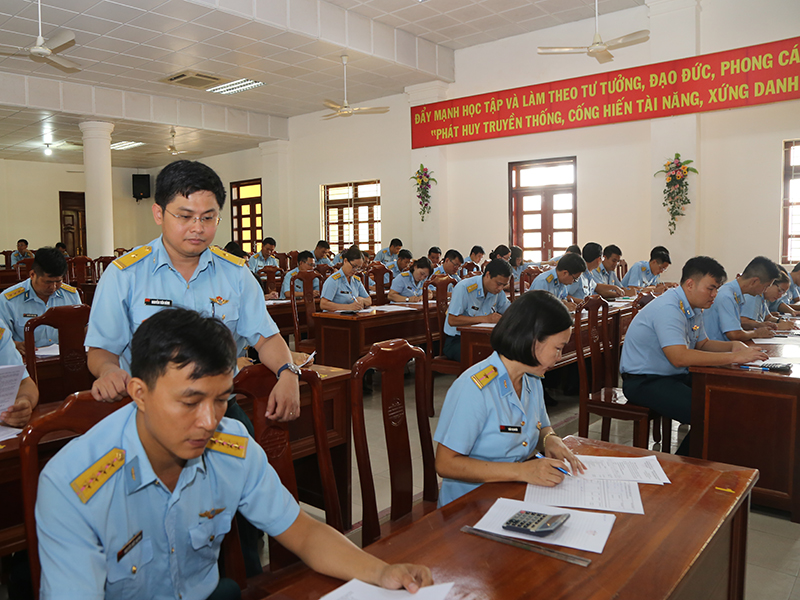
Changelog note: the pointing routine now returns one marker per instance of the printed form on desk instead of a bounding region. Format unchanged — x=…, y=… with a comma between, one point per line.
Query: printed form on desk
x=643, y=469
x=358, y=590
x=598, y=494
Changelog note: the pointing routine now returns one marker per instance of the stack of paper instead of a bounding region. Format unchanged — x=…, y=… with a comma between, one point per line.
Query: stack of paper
x=392, y=308
x=358, y=590
x=10, y=378
x=8, y=432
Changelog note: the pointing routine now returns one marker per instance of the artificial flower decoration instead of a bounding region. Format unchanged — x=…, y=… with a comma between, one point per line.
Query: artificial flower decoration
x=423, y=178
x=676, y=190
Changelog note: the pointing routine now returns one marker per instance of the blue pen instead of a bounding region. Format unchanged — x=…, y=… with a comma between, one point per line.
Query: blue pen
x=752, y=368
x=564, y=471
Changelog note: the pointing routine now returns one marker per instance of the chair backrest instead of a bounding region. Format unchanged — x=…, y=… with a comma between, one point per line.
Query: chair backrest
x=642, y=299
x=601, y=347
x=468, y=267
x=622, y=269
x=512, y=288
x=101, y=264
x=325, y=271
x=309, y=306
x=292, y=258
x=7, y=258
x=120, y=251
x=390, y=359
x=256, y=382
x=81, y=269
x=377, y=271
x=526, y=278
x=79, y=413
x=283, y=260
x=24, y=268
x=71, y=322
x=274, y=276
x=440, y=286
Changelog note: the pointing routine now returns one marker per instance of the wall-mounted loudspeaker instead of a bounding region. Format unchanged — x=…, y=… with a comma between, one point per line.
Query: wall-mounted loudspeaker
x=141, y=186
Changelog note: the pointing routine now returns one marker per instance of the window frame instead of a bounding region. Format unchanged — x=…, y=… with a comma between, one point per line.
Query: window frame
x=255, y=210
x=353, y=202
x=789, y=173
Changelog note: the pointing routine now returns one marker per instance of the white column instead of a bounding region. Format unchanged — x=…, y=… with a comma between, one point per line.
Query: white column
x=434, y=231
x=97, y=176
x=275, y=193
x=675, y=134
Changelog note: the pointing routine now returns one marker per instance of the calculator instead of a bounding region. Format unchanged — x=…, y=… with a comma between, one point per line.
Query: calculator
x=533, y=523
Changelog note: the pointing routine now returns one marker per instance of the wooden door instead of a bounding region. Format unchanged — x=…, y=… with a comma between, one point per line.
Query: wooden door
x=73, y=222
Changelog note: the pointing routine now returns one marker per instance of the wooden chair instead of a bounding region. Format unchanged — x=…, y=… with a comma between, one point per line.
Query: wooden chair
x=120, y=251
x=71, y=322
x=512, y=288
x=101, y=264
x=526, y=278
x=377, y=272
x=24, y=268
x=390, y=358
x=307, y=345
x=7, y=258
x=81, y=270
x=601, y=396
x=283, y=260
x=256, y=383
x=469, y=268
x=270, y=278
x=622, y=269
x=292, y=258
x=79, y=413
x=439, y=363
x=325, y=271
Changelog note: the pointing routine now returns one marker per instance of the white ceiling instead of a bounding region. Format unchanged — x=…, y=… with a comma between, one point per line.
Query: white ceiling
x=131, y=44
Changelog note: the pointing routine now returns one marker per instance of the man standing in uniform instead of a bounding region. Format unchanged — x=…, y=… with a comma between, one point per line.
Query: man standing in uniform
x=31, y=298
x=667, y=337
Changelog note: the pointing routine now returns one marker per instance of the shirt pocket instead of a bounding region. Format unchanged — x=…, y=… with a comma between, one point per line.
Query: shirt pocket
x=127, y=578
x=140, y=311
x=207, y=536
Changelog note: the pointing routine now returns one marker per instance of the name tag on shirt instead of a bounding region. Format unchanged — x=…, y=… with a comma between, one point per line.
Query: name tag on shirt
x=30, y=315
x=510, y=429
x=157, y=302
x=129, y=546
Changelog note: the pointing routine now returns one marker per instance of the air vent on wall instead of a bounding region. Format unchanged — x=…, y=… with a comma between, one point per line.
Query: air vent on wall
x=195, y=80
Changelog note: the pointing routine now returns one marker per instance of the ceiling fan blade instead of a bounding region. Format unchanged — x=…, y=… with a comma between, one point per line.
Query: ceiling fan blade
x=64, y=63
x=331, y=104
x=4, y=53
x=637, y=37
x=562, y=50
x=372, y=110
x=61, y=38
x=332, y=116
x=602, y=56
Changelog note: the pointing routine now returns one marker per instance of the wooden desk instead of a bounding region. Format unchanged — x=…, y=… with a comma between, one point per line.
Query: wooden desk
x=690, y=543
x=752, y=419
x=343, y=339
x=282, y=315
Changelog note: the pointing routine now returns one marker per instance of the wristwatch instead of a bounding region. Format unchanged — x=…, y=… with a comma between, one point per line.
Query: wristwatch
x=291, y=366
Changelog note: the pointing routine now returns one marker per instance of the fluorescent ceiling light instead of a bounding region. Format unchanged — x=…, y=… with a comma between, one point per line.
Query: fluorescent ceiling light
x=125, y=145
x=47, y=150
x=234, y=87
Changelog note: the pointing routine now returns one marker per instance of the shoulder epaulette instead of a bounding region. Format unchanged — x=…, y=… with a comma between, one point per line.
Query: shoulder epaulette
x=336, y=276
x=644, y=269
x=357, y=277
x=10, y=294
x=549, y=278
x=598, y=270
x=69, y=288
x=239, y=262
x=92, y=479
x=234, y=445
x=125, y=261
x=472, y=288
x=483, y=377
x=405, y=273
x=2, y=332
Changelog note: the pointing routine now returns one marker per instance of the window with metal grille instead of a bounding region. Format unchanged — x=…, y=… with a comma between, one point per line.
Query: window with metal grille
x=791, y=202
x=542, y=206
x=246, y=227
x=353, y=215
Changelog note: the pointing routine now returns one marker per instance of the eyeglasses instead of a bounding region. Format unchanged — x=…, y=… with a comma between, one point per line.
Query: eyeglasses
x=205, y=221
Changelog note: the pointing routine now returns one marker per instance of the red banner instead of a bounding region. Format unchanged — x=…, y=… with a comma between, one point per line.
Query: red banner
x=744, y=77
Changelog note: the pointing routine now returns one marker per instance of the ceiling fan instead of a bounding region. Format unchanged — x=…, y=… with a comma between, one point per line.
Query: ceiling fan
x=599, y=49
x=43, y=51
x=172, y=149
x=344, y=109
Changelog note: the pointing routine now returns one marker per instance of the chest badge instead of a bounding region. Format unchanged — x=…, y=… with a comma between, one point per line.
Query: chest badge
x=539, y=425
x=210, y=514
x=157, y=302
x=219, y=300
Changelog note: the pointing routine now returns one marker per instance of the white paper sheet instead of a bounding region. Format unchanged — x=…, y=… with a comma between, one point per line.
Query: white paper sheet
x=47, y=351
x=309, y=360
x=363, y=311
x=418, y=302
x=358, y=590
x=777, y=340
x=488, y=325
x=7, y=433
x=644, y=469
x=10, y=377
x=587, y=531
x=392, y=308
x=599, y=494
x=276, y=302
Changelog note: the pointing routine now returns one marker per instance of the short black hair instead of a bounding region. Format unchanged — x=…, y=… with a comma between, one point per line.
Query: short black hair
x=405, y=254
x=422, y=262
x=611, y=250
x=323, y=244
x=501, y=250
x=531, y=318
x=235, y=249
x=453, y=254
x=352, y=253
x=304, y=256
x=186, y=177
x=396, y=242
x=269, y=240
x=796, y=268
x=23, y=240
x=434, y=250
x=761, y=267
x=181, y=337
x=516, y=253
x=498, y=268
x=700, y=266
x=49, y=261
x=660, y=256
x=479, y=250
x=61, y=246
x=591, y=251
x=571, y=263
x=783, y=276
x=574, y=249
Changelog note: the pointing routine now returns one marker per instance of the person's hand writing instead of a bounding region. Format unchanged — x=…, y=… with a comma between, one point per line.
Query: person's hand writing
x=542, y=471
x=748, y=354
x=571, y=306
x=763, y=332
x=111, y=386
x=558, y=450
x=785, y=325
x=492, y=318
x=405, y=576
x=18, y=414
x=284, y=401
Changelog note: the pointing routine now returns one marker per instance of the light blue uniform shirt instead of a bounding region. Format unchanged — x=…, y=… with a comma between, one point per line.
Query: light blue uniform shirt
x=218, y=288
x=258, y=262
x=668, y=320
x=405, y=285
x=298, y=285
x=385, y=256
x=440, y=271
x=489, y=423
x=725, y=314
x=8, y=351
x=775, y=306
x=17, y=257
x=640, y=275
x=337, y=289
x=755, y=307
x=325, y=261
x=583, y=287
x=602, y=276
x=19, y=304
x=794, y=290
x=470, y=299
x=79, y=544
x=548, y=281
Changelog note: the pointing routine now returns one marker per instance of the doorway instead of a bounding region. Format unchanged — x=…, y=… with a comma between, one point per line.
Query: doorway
x=72, y=206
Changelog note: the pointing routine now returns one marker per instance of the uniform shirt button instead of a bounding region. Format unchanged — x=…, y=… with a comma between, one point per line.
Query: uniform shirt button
x=133, y=569
x=523, y=423
x=172, y=550
x=211, y=539
x=524, y=443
